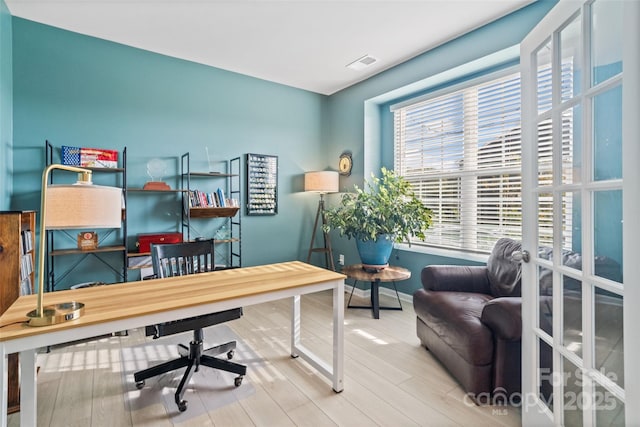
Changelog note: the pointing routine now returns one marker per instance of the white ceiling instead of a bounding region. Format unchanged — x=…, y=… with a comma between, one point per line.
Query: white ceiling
x=301, y=43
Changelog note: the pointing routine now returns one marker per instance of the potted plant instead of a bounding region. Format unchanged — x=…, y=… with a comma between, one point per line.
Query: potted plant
x=384, y=212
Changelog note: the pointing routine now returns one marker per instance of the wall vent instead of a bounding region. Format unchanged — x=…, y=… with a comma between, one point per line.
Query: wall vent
x=362, y=62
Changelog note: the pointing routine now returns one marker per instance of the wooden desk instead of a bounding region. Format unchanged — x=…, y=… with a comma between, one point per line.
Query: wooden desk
x=136, y=304
x=388, y=274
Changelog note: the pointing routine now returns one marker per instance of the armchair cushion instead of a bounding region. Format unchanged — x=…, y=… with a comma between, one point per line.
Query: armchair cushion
x=454, y=317
x=504, y=273
x=456, y=278
x=504, y=317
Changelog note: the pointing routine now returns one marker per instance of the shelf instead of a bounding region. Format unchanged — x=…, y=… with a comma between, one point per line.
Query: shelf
x=142, y=190
x=136, y=254
x=213, y=212
x=141, y=266
x=101, y=169
x=80, y=251
x=211, y=174
x=226, y=240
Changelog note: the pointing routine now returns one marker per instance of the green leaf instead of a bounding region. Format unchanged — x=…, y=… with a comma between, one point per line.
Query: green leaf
x=386, y=205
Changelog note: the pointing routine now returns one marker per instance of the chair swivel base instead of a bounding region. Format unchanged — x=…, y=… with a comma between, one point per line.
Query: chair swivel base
x=194, y=356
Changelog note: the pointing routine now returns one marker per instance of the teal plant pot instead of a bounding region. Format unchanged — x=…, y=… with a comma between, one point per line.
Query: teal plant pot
x=375, y=253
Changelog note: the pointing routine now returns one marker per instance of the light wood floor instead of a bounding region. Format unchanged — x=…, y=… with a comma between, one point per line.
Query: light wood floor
x=390, y=380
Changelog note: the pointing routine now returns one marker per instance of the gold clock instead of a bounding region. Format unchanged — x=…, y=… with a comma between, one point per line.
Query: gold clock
x=345, y=164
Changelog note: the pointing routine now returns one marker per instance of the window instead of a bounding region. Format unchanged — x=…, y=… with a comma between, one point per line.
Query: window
x=461, y=152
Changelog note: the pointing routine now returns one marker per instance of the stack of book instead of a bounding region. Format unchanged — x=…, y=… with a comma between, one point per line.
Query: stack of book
x=216, y=199
x=26, y=262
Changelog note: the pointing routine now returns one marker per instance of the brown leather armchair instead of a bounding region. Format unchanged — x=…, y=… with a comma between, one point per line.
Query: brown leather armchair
x=469, y=318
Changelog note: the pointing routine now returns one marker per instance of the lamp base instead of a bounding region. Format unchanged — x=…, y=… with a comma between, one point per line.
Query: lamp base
x=58, y=313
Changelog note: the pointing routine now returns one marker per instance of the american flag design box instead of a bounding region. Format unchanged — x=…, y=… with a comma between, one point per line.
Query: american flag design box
x=89, y=157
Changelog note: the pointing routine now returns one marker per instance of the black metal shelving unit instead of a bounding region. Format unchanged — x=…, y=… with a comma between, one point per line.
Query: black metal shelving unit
x=54, y=249
x=230, y=217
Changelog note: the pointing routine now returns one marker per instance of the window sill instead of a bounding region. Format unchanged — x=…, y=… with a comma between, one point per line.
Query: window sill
x=448, y=253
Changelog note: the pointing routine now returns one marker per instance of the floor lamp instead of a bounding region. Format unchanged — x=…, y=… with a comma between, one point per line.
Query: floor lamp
x=81, y=205
x=322, y=182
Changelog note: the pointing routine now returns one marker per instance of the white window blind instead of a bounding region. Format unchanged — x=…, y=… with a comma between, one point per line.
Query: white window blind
x=462, y=153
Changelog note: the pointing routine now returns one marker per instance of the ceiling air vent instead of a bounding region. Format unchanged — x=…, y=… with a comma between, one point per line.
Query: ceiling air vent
x=362, y=63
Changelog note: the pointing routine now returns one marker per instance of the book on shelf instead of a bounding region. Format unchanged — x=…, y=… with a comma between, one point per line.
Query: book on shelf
x=215, y=199
x=26, y=241
x=221, y=197
x=26, y=266
x=26, y=286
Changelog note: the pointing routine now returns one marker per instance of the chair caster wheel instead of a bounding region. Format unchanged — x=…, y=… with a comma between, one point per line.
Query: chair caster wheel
x=237, y=381
x=230, y=354
x=140, y=385
x=182, y=405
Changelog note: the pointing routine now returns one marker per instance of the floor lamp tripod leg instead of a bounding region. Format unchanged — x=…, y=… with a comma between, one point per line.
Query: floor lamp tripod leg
x=327, y=241
x=315, y=227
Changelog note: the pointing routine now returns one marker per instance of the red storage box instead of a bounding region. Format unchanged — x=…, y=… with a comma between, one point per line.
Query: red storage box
x=145, y=240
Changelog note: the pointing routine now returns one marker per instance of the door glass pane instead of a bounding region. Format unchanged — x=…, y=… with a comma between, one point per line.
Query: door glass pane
x=570, y=43
x=545, y=176
x=572, y=311
x=609, y=341
x=609, y=409
x=543, y=59
x=573, y=394
x=607, y=135
x=545, y=300
x=606, y=40
x=607, y=233
x=545, y=220
x=572, y=145
x=546, y=377
x=571, y=229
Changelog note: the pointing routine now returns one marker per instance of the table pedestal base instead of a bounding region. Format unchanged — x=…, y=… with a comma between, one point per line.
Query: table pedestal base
x=375, y=299
x=390, y=274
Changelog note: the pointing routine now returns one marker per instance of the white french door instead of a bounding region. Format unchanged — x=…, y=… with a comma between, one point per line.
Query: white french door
x=581, y=294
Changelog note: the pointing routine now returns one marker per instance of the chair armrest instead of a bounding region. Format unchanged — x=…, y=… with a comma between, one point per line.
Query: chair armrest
x=504, y=317
x=456, y=278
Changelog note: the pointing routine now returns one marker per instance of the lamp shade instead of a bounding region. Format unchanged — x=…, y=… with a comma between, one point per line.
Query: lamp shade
x=83, y=206
x=322, y=181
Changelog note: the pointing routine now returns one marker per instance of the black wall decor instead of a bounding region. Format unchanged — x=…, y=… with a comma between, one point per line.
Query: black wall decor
x=262, y=184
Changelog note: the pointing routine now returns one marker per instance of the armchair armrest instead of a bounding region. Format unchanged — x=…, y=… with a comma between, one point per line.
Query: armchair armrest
x=504, y=317
x=456, y=278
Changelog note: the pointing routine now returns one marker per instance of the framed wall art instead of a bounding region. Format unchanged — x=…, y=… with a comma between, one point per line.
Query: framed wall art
x=262, y=184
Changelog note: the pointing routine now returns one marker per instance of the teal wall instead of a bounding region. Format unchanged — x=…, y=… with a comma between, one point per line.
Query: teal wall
x=357, y=119
x=81, y=91
x=76, y=90
x=6, y=107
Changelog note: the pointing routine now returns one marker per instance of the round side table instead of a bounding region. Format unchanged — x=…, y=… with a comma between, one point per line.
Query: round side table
x=390, y=274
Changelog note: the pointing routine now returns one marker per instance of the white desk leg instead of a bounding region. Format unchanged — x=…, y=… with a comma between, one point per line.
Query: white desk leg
x=295, y=325
x=4, y=373
x=338, y=337
x=28, y=388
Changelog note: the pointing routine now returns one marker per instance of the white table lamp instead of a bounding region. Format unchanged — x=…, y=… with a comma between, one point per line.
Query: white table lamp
x=81, y=205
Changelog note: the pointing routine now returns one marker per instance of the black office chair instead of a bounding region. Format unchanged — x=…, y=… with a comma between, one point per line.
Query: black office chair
x=180, y=259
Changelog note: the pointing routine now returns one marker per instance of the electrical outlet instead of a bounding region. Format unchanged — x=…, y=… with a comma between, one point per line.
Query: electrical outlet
x=341, y=259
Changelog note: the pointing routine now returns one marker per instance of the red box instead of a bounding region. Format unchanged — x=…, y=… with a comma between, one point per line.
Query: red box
x=145, y=240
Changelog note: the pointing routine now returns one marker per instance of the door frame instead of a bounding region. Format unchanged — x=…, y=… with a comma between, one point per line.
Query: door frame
x=630, y=204
x=534, y=412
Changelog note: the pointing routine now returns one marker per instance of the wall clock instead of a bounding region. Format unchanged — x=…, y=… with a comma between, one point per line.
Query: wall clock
x=345, y=164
